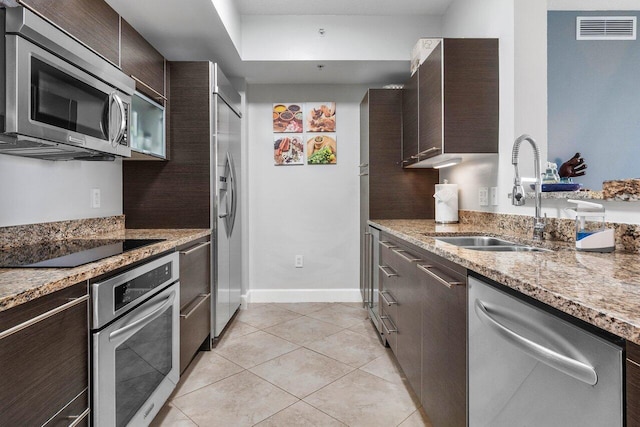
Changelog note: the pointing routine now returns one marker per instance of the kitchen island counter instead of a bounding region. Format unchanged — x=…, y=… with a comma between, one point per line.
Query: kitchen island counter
x=600, y=289
x=20, y=285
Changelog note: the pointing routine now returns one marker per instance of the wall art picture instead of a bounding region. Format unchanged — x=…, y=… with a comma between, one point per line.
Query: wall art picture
x=322, y=150
x=287, y=117
x=288, y=150
x=321, y=117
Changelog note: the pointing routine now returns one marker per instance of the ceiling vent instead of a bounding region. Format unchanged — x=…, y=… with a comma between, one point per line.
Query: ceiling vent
x=606, y=28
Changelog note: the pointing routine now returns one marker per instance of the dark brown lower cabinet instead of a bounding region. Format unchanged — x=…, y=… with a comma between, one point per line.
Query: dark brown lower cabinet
x=444, y=338
x=426, y=297
x=633, y=385
x=195, y=299
x=44, y=360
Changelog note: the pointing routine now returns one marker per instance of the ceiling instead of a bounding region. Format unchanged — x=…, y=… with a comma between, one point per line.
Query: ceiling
x=343, y=7
x=197, y=32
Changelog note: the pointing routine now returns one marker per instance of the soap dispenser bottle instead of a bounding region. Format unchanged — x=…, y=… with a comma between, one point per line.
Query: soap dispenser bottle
x=591, y=234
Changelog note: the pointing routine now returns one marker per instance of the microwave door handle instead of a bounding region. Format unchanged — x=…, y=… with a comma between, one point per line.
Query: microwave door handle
x=123, y=120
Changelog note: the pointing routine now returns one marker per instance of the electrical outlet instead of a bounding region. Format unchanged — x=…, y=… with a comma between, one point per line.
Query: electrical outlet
x=493, y=196
x=95, y=198
x=299, y=261
x=483, y=196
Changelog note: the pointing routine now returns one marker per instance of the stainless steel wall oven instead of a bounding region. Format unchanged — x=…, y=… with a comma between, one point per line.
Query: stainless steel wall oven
x=135, y=342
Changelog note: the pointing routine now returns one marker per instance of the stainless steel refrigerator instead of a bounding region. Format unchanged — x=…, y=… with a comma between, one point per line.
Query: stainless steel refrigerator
x=226, y=152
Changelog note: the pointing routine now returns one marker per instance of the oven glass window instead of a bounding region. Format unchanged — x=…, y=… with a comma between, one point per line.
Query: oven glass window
x=62, y=101
x=142, y=362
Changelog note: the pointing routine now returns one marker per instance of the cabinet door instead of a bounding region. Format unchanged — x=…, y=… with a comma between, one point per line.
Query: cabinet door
x=410, y=119
x=633, y=385
x=471, y=95
x=195, y=298
x=444, y=360
x=45, y=366
x=430, y=107
x=143, y=62
x=409, y=322
x=93, y=22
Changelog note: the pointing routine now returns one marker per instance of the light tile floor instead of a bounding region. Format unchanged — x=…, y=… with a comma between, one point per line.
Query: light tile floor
x=305, y=364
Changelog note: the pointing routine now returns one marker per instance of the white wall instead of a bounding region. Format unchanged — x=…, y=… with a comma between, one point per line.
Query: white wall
x=230, y=16
x=347, y=38
x=307, y=210
x=33, y=190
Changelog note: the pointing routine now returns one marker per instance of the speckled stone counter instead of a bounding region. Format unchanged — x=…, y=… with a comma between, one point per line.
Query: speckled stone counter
x=19, y=285
x=601, y=289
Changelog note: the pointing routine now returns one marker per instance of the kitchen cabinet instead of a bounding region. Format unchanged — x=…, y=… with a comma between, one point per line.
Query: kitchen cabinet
x=454, y=95
x=425, y=300
x=388, y=293
x=176, y=194
x=93, y=22
x=195, y=299
x=386, y=189
x=44, y=354
x=143, y=63
x=444, y=338
x=633, y=384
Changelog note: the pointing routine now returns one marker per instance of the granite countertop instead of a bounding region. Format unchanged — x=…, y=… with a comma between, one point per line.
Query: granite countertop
x=601, y=289
x=19, y=285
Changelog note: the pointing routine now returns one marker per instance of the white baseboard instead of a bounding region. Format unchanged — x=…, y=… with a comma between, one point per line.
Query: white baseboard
x=301, y=295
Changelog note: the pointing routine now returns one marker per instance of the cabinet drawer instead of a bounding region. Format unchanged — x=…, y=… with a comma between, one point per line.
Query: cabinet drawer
x=195, y=270
x=45, y=365
x=195, y=326
x=76, y=411
x=388, y=316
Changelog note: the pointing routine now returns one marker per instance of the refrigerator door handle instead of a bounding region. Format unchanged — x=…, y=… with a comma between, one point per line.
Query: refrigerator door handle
x=574, y=368
x=233, y=193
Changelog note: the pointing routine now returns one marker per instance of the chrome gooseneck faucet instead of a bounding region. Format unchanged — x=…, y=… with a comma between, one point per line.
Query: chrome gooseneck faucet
x=517, y=195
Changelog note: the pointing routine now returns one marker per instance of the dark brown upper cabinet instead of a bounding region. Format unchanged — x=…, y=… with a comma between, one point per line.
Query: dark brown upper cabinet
x=143, y=62
x=454, y=95
x=93, y=22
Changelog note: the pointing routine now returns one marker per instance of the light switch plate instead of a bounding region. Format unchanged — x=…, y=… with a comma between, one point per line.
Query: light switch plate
x=483, y=196
x=299, y=261
x=493, y=196
x=95, y=198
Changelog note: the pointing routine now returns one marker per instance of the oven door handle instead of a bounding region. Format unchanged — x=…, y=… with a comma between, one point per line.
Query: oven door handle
x=124, y=333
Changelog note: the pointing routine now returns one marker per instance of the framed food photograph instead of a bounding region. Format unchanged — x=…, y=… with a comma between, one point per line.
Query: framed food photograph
x=322, y=150
x=321, y=117
x=288, y=150
x=287, y=117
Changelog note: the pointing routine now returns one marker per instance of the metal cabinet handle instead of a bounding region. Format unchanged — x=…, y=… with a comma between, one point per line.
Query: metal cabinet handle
x=424, y=152
x=195, y=248
x=574, y=368
x=363, y=165
x=386, y=301
x=203, y=298
x=401, y=253
x=449, y=284
x=77, y=419
x=363, y=174
x=387, y=244
x=43, y=316
x=161, y=96
x=383, y=269
x=388, y=331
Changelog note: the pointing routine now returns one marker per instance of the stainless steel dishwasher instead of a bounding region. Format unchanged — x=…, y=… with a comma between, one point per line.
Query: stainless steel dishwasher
x=528, y=367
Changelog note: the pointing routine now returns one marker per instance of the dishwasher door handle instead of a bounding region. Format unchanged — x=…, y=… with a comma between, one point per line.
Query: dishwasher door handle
x=574, y=368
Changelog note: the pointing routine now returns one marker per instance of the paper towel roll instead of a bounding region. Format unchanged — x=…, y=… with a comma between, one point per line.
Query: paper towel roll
x=446, y=196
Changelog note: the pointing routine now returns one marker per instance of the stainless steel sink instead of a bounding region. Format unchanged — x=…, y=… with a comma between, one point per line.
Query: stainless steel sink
x=475, y=241
x=491, y=244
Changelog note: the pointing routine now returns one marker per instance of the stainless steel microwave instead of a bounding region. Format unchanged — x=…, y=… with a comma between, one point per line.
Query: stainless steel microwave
x=58, y=99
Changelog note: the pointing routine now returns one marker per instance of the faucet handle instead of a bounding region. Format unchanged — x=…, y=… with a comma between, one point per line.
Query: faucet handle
x=517, y=195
